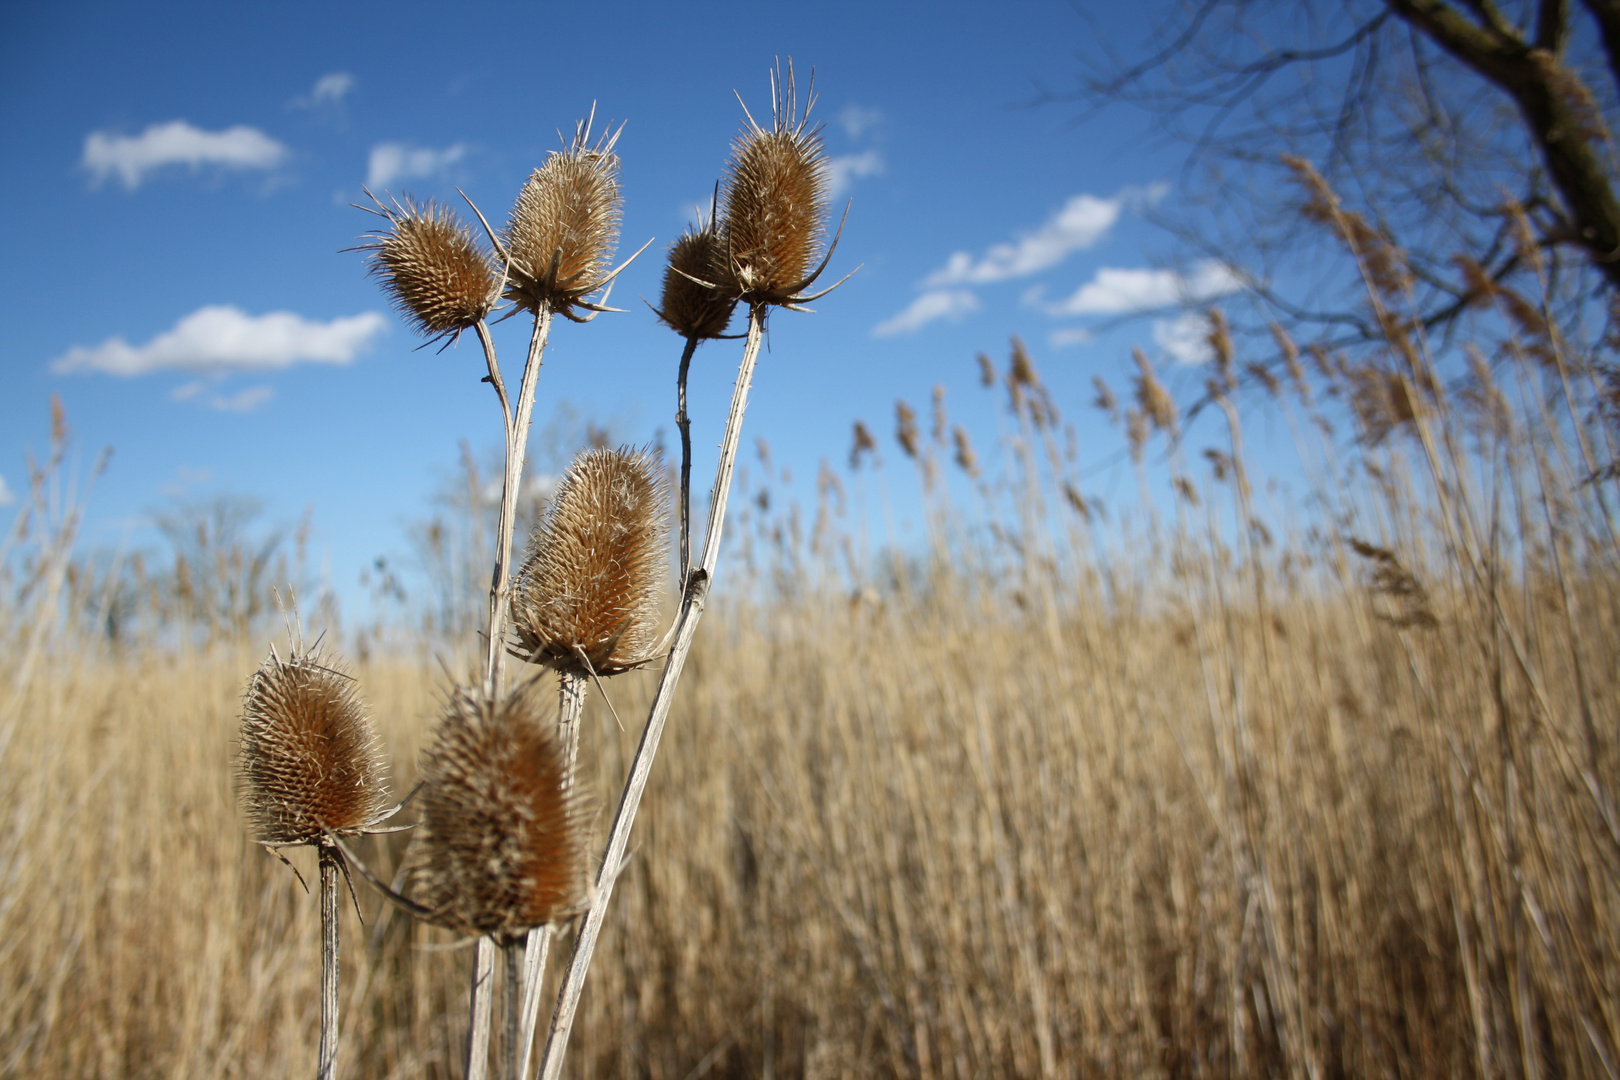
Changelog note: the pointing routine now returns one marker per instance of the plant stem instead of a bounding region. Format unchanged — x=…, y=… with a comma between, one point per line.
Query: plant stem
x=512, y=958
x=329, y=961
x=685, y=424
x=571, y=688
x=483, y=976
x=692, y=603
x=517, y=440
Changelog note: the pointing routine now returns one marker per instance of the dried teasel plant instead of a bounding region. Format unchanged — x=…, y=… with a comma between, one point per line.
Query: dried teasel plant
x=775, y=204
x=586, y=600
x=699, y=312
x=563, y=228
x=431, y=265
x=502, y=835
x=311, y=772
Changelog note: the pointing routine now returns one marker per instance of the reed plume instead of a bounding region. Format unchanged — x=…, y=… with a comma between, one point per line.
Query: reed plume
x=586, y=599
x=429, y=263
x=503, y=845
x=563, y=228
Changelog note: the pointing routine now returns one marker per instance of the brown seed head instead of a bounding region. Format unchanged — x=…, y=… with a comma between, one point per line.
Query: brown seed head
x=439, y=278
x=590, y=587
x=309, y=760
x=692, y=310
x=564, y=226
x=502, y=839
x=775, y=203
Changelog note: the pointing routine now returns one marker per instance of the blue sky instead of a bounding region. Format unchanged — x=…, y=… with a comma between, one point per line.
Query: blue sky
x=178, y=189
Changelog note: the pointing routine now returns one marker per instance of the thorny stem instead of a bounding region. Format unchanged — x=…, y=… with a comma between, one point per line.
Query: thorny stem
x=483, y=976
x=571, y=688
x=685, y=424
x=692, y=603
x=329, y=962
x=512, y=957
x=517, y=439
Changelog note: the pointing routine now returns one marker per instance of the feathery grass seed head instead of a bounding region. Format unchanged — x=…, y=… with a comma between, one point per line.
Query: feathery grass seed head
x=564, y=226
x=589, y=590
x=309, y=760
x=438, y=276
x=502, y=839
x=775, y=203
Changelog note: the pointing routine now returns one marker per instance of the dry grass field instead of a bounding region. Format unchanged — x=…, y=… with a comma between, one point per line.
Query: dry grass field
x=1177, y=799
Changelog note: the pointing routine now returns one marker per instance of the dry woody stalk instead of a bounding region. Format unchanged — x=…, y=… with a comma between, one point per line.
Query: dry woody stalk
x=310, y=761
x=586, y=600
x=429, y=263
x=502, y=836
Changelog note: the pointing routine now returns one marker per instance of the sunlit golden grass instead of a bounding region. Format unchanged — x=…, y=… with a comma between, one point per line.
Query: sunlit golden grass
x=932, y=836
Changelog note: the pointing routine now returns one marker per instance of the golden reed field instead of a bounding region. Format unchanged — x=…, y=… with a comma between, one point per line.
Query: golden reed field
x=1209, y=788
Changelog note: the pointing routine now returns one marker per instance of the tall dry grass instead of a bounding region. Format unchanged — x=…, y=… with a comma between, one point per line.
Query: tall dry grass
x=1200, y=797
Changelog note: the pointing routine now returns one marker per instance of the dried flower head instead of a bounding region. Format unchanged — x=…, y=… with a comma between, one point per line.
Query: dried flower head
x=309, y=760
x=775, y=203
x=692, y=306
x=502, y=837
x=905, y=428
x=587, y=596
x=431, y=266
x=564, y=226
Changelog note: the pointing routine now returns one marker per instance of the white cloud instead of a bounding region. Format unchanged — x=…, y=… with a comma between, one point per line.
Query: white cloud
x=843, y=171
x=242, y=401
x=332, y=88
x=132, y=157
x=857, y=120
x=1184, y=339
x=6, y=496
x=1083, y=221
x=219, y=339
x=392, y=161
x=1116, y=291
x=949, y=304
x=1070, y=335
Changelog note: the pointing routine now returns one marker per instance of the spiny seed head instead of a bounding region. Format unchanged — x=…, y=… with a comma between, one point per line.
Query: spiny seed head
x=587, y=596
x=502, y=834
x=432, y=267
x=690, y=309
x=775, y=203
x=309, y=760
x=564, y=225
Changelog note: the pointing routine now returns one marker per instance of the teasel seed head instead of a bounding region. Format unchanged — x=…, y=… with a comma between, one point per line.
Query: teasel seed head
x=309, y=759
x=438, y=275
x=564, y=226
x=586, y=599
x=775, y=203
x=502, y=839
x=693, y=306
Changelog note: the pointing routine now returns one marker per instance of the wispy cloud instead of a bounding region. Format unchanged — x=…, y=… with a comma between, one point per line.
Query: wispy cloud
x=133, y=157
x=329, y=89
x=392, y=161
x=858, y=120
x=6, y=496
x=219, y=339
x=843, y=171
x=242, y=401
x=1070, y=335
x=1082, y=221
x=1184, y=339
x=1116, y=291
x=950, y=304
